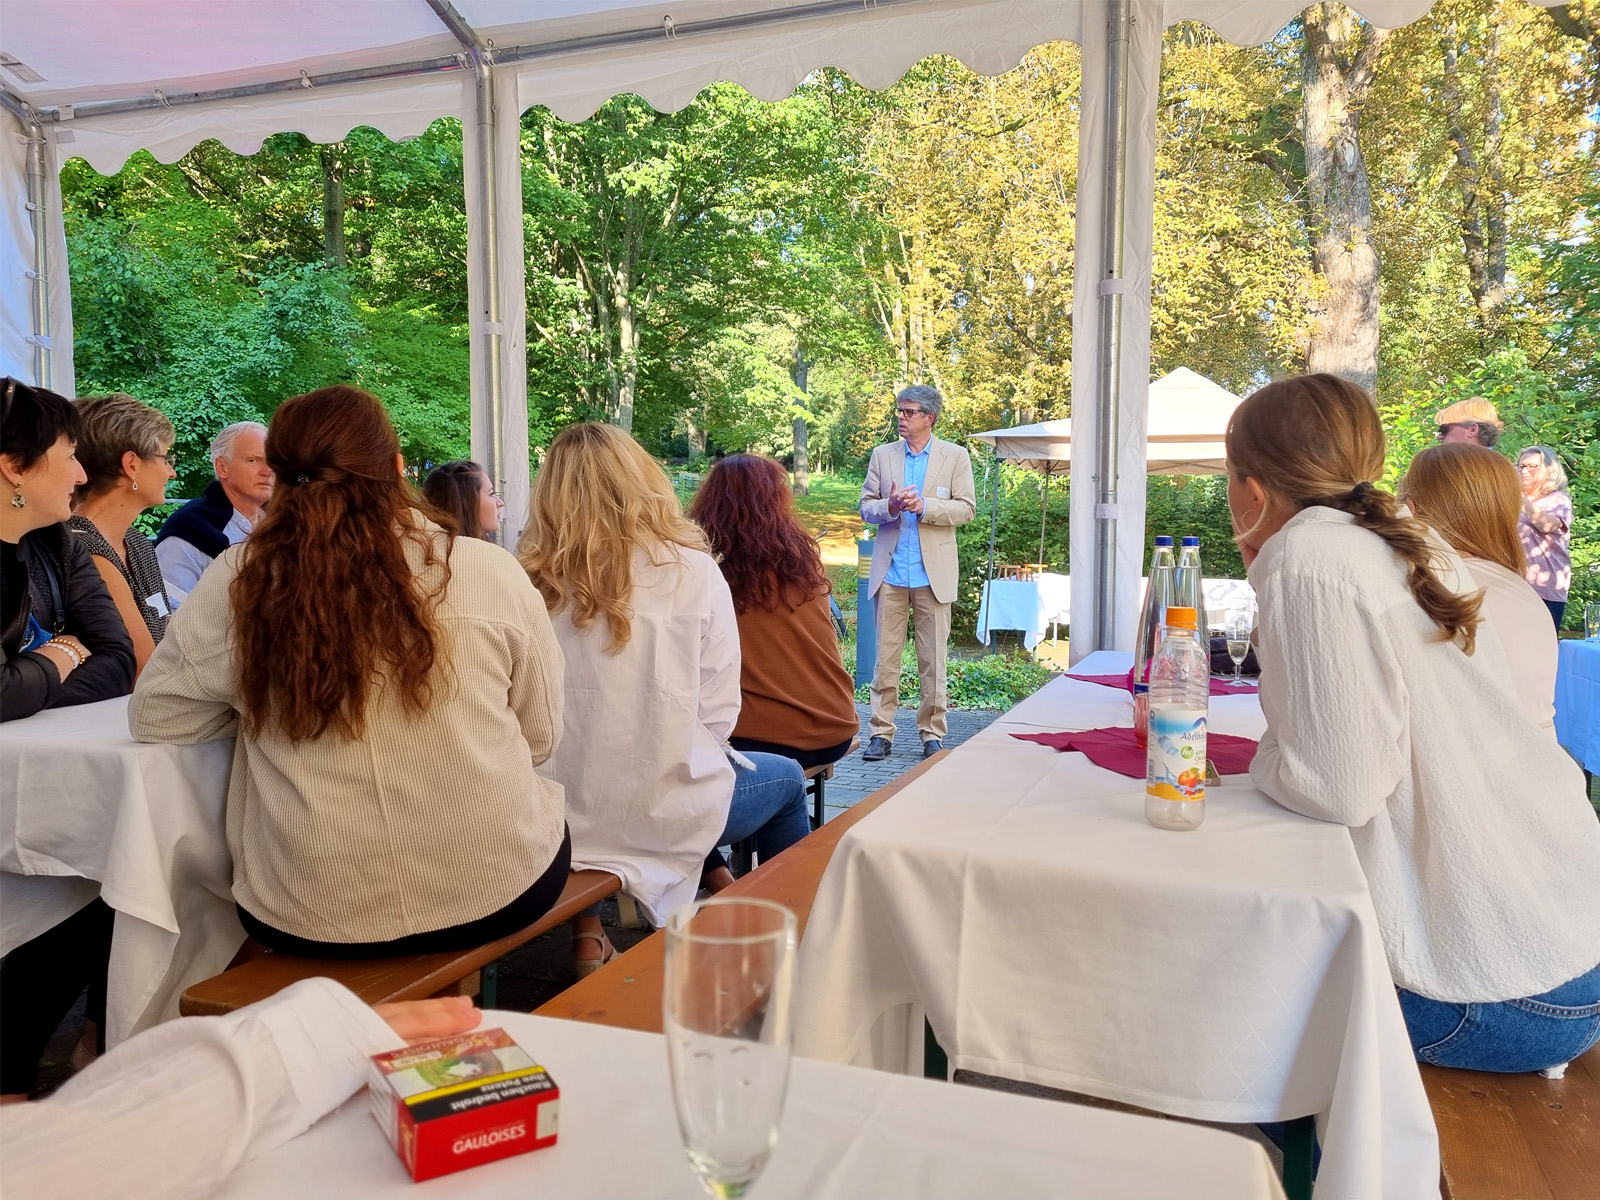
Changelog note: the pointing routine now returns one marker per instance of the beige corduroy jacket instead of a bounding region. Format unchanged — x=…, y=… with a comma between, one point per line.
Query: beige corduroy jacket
x=424, y=822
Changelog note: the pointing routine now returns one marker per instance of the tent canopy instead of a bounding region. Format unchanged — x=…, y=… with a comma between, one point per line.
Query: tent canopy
x=101, y=79
x=1188, y=420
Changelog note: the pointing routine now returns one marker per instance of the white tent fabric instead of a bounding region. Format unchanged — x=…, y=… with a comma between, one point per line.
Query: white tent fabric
x=67, y=56
x=1188, y=419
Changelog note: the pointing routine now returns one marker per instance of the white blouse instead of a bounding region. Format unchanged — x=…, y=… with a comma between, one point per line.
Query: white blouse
x=1527, y=634
x=168, y=1115
x=647, y=780
x=1479, y=845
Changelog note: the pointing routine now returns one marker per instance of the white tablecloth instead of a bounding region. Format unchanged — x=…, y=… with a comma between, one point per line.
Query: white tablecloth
x=1578, y=701
x=846, y=1135
x=1029, y=605
x=85, y=809
x=1017, y=896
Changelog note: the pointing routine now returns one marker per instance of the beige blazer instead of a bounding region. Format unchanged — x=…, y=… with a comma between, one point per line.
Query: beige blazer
x=949, y=499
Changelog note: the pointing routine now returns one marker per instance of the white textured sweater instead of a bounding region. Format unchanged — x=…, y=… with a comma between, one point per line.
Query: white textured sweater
x=1480, y=848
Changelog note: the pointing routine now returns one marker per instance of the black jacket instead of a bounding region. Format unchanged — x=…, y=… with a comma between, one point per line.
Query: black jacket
x=202, y=522
x=64, y=593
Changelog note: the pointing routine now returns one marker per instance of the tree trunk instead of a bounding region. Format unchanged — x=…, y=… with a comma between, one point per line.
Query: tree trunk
x=333, y=247
x=801, y=371
x=1337, y=66
x=1481, y=184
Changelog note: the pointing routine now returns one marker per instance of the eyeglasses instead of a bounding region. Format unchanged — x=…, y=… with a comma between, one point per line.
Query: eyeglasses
x=170, y=458
x=1444, y=430
x=909, y=412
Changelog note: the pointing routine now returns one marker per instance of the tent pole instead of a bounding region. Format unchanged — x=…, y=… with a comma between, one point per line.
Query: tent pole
x=994, y=514
x=487, y=334
x=1044, y=514
x=38, y=219
x=1111, y=292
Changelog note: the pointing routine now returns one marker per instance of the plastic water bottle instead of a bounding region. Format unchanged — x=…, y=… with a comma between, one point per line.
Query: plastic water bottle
x=1189, y=588
x=1158, y=597
x=1175, y=758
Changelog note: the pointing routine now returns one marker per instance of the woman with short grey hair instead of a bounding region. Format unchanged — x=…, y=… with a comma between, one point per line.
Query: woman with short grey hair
x=126, y=453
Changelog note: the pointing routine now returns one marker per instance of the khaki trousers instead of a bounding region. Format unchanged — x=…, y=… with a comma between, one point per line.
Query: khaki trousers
x=931, y=623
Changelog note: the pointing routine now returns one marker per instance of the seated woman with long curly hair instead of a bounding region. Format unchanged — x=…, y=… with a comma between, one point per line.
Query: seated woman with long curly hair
x=652, y=685
x=392, y=688
x=1391, y=709
x=798, y=700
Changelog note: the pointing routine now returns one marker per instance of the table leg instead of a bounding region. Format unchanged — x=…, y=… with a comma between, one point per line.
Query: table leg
x=935, y=1065
x=1299, y=1149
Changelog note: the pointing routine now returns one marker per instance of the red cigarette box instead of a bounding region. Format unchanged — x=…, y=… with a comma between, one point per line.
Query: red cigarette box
x=460, y=1101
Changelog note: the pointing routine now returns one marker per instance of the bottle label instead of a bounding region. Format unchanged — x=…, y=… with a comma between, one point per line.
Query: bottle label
x=1176, y=754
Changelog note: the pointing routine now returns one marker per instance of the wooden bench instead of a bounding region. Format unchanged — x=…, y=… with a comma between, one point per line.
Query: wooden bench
x=381, y=980
x=627, y=991
x=1518, y=1137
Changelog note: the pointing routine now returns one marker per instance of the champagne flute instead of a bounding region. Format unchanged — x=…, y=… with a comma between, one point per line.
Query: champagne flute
x=1240, y=624
x=727, y=1008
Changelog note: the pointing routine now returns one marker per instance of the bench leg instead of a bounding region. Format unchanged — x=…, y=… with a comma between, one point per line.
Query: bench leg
x=935, y=1064
x=817, y=794
x=489, y=990
x=743, y=857
x=1299, y=1147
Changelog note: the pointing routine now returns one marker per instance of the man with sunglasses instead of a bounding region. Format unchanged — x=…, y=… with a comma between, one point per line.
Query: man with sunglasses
x=1473, y=420
x=918, y=489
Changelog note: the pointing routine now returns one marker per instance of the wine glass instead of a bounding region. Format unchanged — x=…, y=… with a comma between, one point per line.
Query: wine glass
x=1240, y=624
x=727, y=1009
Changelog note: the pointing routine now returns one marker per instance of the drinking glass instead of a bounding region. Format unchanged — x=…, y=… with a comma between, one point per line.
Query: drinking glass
x=1591, y=622
x=727, y=1011
x=1240, y=623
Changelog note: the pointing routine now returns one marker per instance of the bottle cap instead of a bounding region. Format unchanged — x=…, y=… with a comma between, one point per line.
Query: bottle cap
x=1180, y=618
x=1191, y=541
x=1163, y=540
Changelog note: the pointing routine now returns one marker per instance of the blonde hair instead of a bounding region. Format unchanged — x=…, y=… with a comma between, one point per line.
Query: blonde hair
x=1552, y=475
x=1471, y=495
x=1315, y=441
x=114, y=424
x=598, y=497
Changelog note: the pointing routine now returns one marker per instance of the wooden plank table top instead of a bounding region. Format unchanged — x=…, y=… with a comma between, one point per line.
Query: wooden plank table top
x=627, y=991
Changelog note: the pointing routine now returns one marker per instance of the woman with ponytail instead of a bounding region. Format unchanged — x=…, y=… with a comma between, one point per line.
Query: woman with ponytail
x=392, y=689
x=1391, y=709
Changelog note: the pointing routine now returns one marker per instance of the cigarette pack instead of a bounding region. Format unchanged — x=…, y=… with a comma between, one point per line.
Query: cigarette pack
x=460, y=1101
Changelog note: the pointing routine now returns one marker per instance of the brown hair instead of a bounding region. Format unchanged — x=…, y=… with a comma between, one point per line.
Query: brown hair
x=1315, y=440
x=325, y=604
x=766, y=556
x=454, y=488
x=113, y=424
x=598, y=497
x=1472, y=496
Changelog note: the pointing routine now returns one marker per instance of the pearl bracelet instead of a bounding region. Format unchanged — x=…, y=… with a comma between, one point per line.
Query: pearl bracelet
x=69, y=650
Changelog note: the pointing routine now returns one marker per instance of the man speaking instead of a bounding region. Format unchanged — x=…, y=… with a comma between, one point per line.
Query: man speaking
x=917, y=491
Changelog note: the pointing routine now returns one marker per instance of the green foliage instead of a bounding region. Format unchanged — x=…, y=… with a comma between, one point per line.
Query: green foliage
x=988, y=681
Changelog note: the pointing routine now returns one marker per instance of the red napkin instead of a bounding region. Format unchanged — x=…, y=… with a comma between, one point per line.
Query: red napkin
x=1219, y=687
x=1115, y=750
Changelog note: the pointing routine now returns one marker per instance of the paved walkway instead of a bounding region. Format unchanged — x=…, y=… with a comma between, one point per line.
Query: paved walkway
x=854, y=780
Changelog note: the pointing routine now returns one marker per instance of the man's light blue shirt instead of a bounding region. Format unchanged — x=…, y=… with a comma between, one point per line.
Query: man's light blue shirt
x=905, y=568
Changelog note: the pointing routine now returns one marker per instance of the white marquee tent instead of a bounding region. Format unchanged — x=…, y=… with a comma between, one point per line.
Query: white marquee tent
x=1187, y=420
x=104, y=78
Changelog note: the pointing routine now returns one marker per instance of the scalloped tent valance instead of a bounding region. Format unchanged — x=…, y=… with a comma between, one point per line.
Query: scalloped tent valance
x=102, y=79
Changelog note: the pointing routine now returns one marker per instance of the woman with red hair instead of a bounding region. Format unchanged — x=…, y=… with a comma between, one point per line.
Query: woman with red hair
x=797, y=697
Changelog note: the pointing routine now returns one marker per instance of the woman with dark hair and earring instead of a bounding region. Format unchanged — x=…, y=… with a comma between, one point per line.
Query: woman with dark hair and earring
x=1391, y=709
x=463, y=491
x=392, y=688
x=61, y=642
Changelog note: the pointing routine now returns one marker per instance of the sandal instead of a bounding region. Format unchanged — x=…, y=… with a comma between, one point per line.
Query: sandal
x=585, y=967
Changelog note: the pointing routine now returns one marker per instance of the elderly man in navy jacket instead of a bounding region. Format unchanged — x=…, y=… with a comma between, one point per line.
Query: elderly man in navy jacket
x=224, y=513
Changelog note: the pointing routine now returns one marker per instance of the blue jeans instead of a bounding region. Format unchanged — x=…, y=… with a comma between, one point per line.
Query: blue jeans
x=1508, y=1036
x=768, y=803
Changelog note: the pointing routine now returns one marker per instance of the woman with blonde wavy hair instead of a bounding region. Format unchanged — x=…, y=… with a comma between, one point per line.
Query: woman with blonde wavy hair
x=647, y=625
x=1390, y=709
x=1471, y=497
